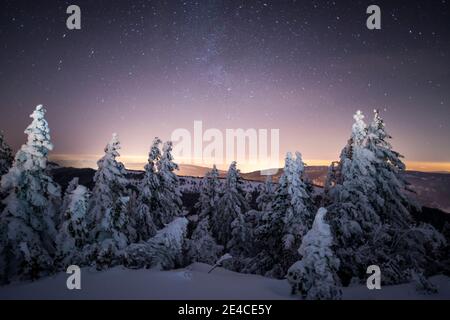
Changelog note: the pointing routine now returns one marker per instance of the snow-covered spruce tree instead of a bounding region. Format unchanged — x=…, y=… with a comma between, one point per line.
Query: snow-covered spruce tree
x=266, y=196
x=109, y=208
x=148, y=200
x=241, y=245
x=391, y=202
x=415, y=248
x=6, y=160
x=73, y=184
x=73, y=234
x=164, y=251
x=314, y=276
x=6, y=157
x=202, y=247
x=371, y=225
x=331, y=178
x=300, y=214
x=283, y=227
x=334, y=174
x=27, y=229
x=260, y=261
x=404, y=245
x=209, y=195
x=352, y=217
x=231, y=204
x=169, y=186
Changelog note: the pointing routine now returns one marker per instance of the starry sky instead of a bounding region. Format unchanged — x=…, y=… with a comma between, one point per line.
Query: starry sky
x=145, y=68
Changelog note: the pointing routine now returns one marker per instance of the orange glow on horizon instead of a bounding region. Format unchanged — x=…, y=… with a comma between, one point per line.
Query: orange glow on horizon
x=136, y=162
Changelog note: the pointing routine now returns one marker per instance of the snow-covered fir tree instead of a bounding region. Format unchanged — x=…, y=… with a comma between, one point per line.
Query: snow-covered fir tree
x=73, y=234
x=73, y=184
x=266, y=195
x=148, y=200
x=231, y=204
x=202, y=247
x=314, y=276
x=260, y=261
x=352, y=217
x=391, y=202
x=169, y=186
x=300, y=214
x=108, y=206
x=369, y=211
x=209, y=195
x=164, y=251
x=414, y=248
x=241, y=244
x=283, y=227
x=331, y=178
x=397, y=245
x=334, y=174
x=6, y=157
x=407, y=246
x=27, y=228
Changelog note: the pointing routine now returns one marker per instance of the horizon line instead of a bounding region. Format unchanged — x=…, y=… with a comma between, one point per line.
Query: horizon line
x=135, y=162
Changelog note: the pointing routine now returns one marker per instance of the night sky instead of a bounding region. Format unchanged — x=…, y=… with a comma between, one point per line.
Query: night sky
x=145, y=68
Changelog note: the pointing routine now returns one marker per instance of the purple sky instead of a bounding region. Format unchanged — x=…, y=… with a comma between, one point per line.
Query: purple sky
x=145, y=68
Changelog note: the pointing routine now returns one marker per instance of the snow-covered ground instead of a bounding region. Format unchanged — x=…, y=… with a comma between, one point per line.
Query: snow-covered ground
x=193, y=282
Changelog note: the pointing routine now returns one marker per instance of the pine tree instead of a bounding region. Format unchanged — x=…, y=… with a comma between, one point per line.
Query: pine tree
x=26, y=226
x=352, y=217
x=169, y=186
x=6, y=158
x=231, y=204
x=369, y=211
x=73, y=184
x=202, y=247
x=391, y=201
x=241, y=244
x=282, y=228
x=334, y=174
x=73, y=234
x=300, y=214
x=401, y=245
x=260, y=261
x=314, y=276
x=266, y=196
x=331, y=178
x=207, y=208
x=209, y=195
x=109, y=207
x=148, y=200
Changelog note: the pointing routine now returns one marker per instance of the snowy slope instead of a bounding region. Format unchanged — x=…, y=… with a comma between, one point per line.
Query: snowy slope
x=193, y=282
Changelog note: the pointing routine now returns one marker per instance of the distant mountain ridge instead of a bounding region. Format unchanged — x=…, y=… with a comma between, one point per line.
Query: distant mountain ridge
x=432, y=189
